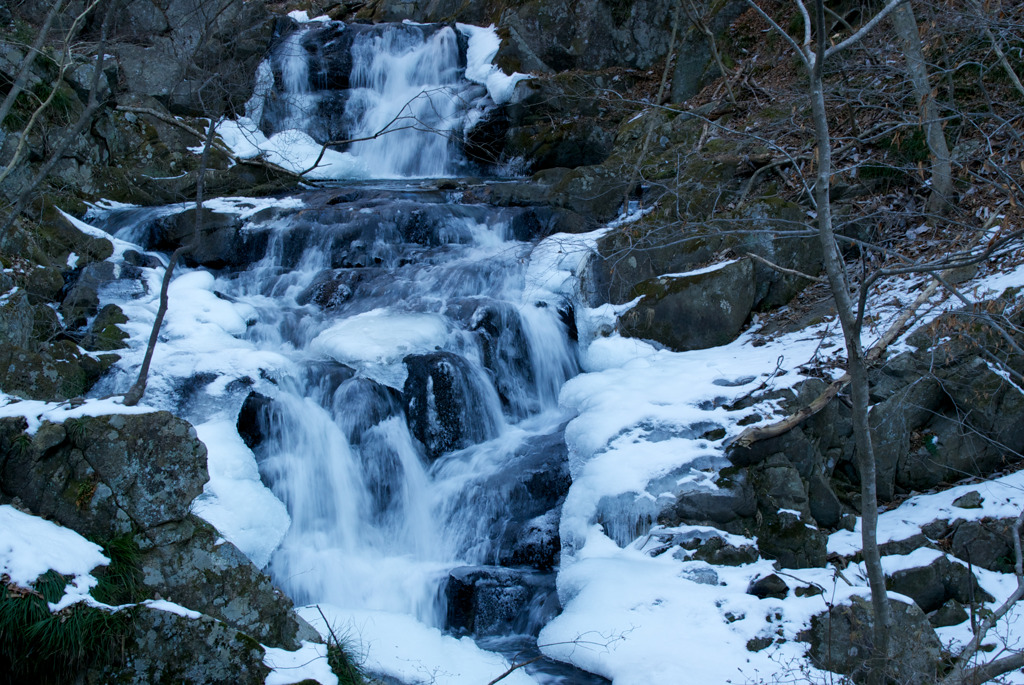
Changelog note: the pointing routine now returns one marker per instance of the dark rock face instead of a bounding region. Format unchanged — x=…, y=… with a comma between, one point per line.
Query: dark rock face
x=987, y=543
x=224, y=41
x=693, y=311
x=165, y=647
x=253, y=419
x=330, y=289
x=507, y=357
x=106, y=476
x=444, y=403
x=933, y=585
x=841, y=641
x=137, y=474
x=769, y=586
x=492, y=600
x=192, y=567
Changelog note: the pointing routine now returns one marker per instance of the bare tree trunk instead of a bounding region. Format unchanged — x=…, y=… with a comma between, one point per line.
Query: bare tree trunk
x=856, y=362
x=138, y=389
x=905, y=24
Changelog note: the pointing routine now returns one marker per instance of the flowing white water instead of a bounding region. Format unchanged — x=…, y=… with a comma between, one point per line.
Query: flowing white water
x=407, y=103
x=400, y=382
x=355, y=422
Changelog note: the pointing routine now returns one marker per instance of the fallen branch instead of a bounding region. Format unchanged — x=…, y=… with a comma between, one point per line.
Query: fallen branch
x=774, y=430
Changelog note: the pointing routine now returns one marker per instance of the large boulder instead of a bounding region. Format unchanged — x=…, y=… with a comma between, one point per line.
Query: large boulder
x=108, y=475
x=705, y=308
x=168, y=647
x=933, y=584
x=841, y=641
x=190, y=564
x=446, y=403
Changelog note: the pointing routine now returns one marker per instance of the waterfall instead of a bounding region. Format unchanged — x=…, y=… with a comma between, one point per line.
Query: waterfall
x=392, y=374
x=398, y=90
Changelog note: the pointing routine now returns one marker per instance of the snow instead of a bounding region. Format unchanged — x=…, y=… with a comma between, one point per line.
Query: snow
x=399, y=646
x=31, y=546
x=483, y=46
x=292, y=150
x=375, y=340
x=703, y=270
x=235, y=500
x=302, y=17
x=35, y=412
x=171, y=607
x=309, y=662
x=642, y=424
x=1003, y=498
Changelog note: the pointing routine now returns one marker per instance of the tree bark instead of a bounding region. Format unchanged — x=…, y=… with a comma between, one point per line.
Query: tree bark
x=905, y=25
x=856, y=365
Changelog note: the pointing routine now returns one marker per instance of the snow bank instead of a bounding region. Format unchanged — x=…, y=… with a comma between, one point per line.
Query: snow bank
x=31, y=546
x=401, y=647
x=235, y=500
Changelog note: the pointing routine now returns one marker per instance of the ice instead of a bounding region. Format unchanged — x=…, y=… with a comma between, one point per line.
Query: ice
x=381, y=336
x=483, y=46
x=235, y=500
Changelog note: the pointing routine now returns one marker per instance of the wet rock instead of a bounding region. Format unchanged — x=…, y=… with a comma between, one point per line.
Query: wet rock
x=330, y=289
x=506, y=354
x=362, y=403
x=253, y=419
x=492, y=600
x=537, y=543
x=841, y=642
x=446, y=405
x=693, y=311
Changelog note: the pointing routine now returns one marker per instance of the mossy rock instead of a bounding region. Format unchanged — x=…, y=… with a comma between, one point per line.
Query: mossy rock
x=53, y=373
x=105, y=333
x=695, y=311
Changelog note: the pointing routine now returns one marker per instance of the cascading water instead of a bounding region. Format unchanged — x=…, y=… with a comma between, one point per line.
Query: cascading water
x=397, y=384
x=398, y=91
